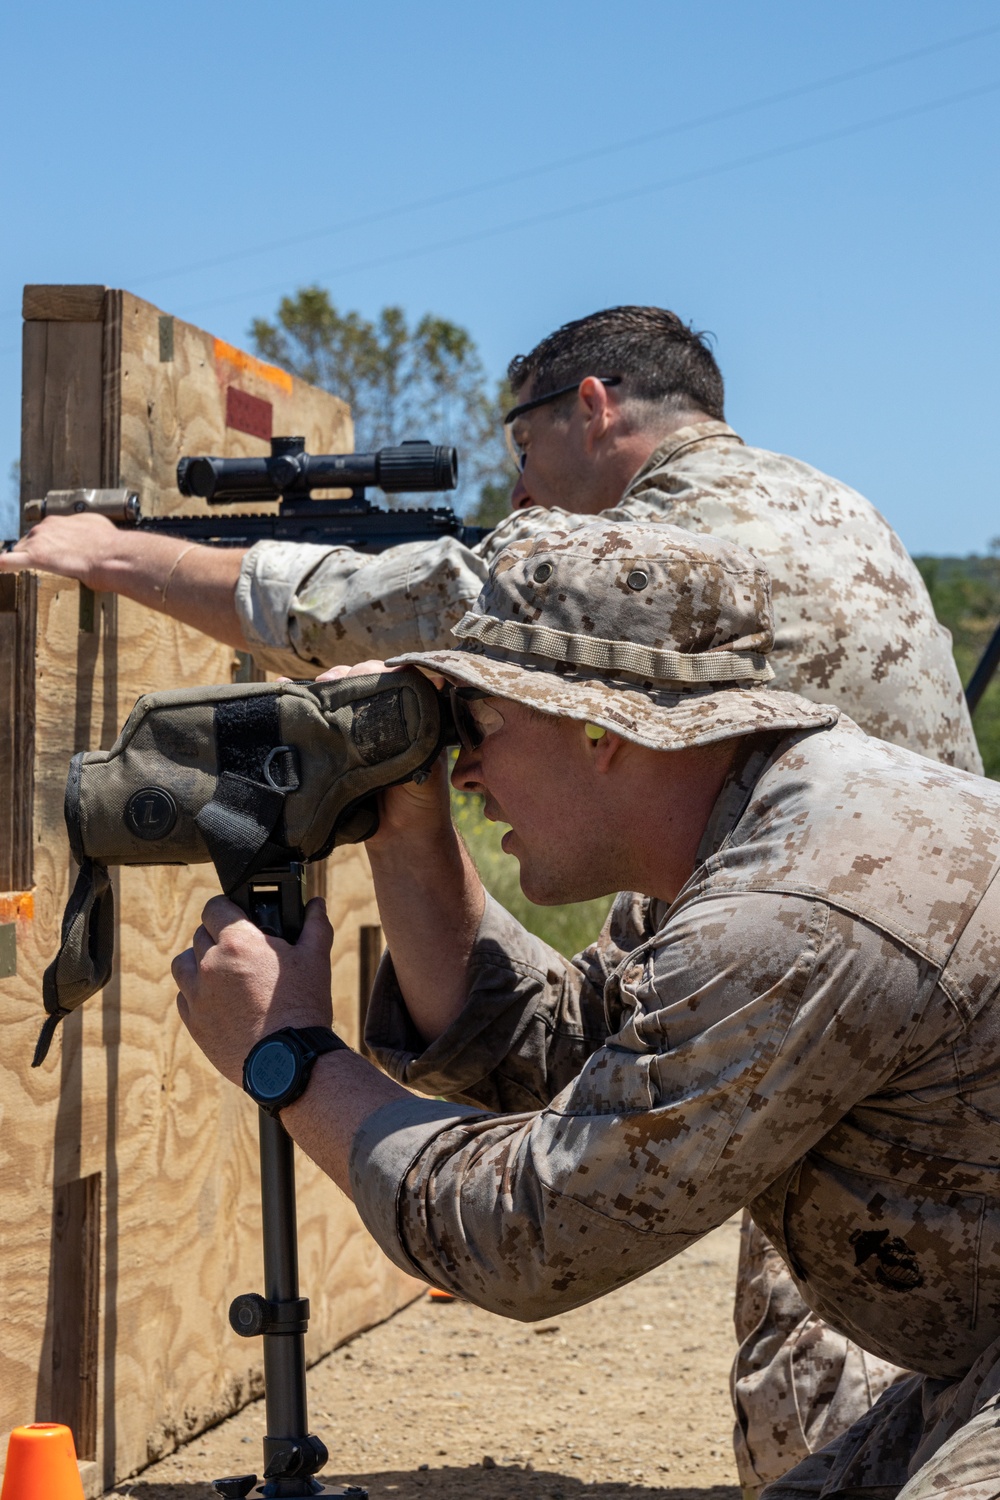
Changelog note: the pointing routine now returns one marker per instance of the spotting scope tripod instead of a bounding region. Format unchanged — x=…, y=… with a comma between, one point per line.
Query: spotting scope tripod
x=275, y=901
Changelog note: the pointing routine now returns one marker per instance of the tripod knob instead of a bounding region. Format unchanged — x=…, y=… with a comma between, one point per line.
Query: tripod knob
x=235, y=1488
x=249, y=1314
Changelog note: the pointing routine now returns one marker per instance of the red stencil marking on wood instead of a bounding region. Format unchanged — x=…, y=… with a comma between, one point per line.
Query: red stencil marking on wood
x=249, y=413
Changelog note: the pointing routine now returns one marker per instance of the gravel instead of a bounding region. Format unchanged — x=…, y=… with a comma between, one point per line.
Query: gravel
x=628, y=1395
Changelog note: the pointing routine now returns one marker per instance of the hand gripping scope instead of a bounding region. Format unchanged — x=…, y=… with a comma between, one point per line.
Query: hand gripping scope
x=257, y=777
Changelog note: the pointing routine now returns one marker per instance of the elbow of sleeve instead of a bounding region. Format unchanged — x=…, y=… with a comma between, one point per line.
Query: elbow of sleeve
x=530, y=1303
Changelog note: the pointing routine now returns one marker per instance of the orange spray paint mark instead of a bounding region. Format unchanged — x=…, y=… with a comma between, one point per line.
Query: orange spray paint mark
x=246, y=363
x=17, y=906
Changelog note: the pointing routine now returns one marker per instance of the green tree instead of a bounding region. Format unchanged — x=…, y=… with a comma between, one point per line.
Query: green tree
x=401, y=379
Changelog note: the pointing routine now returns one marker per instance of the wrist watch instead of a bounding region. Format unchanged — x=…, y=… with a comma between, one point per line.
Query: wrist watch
x=277, y=1069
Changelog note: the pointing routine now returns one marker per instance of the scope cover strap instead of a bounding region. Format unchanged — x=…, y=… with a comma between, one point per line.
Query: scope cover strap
x=239, y=823
x=86, y=951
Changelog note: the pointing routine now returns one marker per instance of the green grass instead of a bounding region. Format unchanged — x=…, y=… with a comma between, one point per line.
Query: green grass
x=965, y=592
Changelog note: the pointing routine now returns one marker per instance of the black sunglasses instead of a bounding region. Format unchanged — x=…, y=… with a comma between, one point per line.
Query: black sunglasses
x=564, y=390
x=470, y=736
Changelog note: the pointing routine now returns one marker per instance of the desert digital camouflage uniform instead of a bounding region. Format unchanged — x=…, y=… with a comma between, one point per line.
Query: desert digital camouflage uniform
x=807, y=1029
x=853, y=623
x=854, y=627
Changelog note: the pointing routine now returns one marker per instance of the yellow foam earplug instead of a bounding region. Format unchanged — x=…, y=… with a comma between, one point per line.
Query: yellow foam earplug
x=594, y=731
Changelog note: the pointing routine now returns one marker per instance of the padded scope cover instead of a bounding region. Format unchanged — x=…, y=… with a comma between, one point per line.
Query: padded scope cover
x=249, y=777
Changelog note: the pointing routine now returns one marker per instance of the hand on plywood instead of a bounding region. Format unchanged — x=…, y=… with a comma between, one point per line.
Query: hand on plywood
x=236, y=984
x=191, y=583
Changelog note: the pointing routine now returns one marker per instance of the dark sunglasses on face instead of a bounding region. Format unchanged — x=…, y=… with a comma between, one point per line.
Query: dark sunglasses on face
x=471, y=726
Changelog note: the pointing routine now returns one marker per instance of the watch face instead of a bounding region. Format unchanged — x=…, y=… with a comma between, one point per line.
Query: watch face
x=272, y=1070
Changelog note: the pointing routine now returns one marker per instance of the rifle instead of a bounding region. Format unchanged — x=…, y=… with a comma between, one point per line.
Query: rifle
x=289, y=476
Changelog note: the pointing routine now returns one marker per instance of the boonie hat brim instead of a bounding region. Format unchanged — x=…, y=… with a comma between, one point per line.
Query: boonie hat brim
x=657, y=717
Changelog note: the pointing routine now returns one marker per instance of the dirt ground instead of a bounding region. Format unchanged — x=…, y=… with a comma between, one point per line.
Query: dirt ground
x=628, y=1394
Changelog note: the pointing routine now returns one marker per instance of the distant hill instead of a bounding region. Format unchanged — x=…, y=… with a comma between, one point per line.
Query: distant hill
x=965, y=593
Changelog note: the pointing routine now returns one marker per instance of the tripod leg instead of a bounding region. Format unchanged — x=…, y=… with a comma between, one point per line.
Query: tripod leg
x=289, y=1451
x=292, y=1455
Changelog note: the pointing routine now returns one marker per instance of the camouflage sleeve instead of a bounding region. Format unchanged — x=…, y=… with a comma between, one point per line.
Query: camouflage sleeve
x=531, y=1020
x=331, y=606
x=747, y=1029
x=328, y=606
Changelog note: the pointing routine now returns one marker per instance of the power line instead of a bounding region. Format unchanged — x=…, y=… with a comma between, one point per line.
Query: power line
x=611, y=199
x=454, y=195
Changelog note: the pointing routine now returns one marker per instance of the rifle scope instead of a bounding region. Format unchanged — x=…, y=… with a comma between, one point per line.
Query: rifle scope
x=413, y=467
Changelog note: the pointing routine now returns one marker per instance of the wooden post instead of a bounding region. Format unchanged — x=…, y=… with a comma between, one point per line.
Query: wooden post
x=128, y=1179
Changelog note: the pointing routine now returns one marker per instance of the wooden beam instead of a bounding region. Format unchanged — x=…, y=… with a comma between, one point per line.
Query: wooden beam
x=18, y=593
x=61, y=447
x=61, y=416
x=76, y=1249
x=371, y=944
x=63, y=304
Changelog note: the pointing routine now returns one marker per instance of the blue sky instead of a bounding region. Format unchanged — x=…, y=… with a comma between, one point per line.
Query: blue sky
x=514, y=166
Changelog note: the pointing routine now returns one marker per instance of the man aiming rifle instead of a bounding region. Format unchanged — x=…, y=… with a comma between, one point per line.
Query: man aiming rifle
x=619, y=414
x=790, y=1007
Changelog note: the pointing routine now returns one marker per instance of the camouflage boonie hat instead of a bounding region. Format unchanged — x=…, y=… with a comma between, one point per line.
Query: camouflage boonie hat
x=653, y=632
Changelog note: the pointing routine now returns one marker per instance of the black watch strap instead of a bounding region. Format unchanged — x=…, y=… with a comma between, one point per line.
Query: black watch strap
x=301, y=1046
x=320, y=1039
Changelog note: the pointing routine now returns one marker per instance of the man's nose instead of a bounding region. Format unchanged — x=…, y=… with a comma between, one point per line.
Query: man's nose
x=520, y=497
x=465, y=773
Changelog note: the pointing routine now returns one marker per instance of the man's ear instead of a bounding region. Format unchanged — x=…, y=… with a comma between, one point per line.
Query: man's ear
x=599, y=410
x=607, y=751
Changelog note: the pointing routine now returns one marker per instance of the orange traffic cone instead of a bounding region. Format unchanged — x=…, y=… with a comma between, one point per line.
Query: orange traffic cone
x=41, y=1464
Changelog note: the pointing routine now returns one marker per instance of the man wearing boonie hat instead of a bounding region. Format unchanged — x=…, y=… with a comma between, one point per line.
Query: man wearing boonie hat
x=791, y=1006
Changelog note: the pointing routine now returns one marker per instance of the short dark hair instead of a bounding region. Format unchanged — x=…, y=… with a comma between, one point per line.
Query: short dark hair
x=659, y=357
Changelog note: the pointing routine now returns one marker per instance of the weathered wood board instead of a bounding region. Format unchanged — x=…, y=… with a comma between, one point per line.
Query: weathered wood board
x=128, y=1169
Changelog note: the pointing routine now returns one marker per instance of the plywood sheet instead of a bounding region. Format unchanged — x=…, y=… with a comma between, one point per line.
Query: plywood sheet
x=125, y=1097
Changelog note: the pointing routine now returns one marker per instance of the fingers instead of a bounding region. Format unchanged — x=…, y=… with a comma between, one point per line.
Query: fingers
x=201, y=943
x=220, y=913
x=184, y=970
x=360, y=669
x=317, y=931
